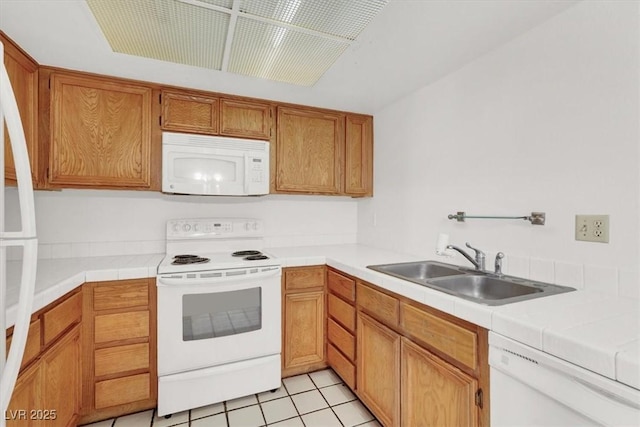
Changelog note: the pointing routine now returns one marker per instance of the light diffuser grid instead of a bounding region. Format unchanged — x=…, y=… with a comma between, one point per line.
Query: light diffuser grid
x=276, y=53
x=165, y=30
x=342, y=18
x=317, y=32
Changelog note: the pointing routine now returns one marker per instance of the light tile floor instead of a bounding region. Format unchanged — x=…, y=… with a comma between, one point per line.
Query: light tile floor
x=319, y=399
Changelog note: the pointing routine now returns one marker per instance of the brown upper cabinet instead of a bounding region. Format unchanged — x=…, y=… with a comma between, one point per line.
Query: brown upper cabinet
x=90, y=131
x=189, y=112
x=358, y=179
x=203, y=113
x=323, y=152
x=245, y=119
x=100, y=132
x=23, y=75
x=309, y=152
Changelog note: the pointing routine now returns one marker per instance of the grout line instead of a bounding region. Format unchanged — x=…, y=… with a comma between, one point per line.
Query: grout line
x=261, y=411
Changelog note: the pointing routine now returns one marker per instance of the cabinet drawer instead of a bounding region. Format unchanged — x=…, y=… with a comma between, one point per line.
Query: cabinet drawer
x=110, y=295
x=342, y=366
x=381, y=306
x=60, y=317
x=304, y=278
x=449, y=338
x=32, y=348
x=342, y=312
x=120, y=359
x=341, y=285
x=122, y=326
x=124, y=390
x=342, y=339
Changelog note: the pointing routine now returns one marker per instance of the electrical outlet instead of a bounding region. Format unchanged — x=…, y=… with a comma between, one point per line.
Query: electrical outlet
x=592, y=228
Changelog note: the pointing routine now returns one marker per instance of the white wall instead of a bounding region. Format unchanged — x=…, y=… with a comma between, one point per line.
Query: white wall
x=100, y=222
x=548, y=122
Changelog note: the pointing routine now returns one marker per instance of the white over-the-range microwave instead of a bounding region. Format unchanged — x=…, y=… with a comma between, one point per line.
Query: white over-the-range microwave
x=214, y=165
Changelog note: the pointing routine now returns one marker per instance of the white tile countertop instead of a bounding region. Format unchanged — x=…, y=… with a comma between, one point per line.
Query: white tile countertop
x=56, y=277
x=596, y=331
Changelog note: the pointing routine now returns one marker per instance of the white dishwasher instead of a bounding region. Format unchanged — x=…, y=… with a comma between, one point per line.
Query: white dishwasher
x=532, y=388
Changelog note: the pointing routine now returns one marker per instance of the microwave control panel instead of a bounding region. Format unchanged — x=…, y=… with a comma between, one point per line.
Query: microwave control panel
x=256, y=169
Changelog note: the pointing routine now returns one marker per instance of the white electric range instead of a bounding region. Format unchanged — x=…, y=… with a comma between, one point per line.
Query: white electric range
x=219, y=314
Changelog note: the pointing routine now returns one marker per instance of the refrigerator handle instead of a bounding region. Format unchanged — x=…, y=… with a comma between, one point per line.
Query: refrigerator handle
x=21, y=327
x=25, y=238
x=9, y=108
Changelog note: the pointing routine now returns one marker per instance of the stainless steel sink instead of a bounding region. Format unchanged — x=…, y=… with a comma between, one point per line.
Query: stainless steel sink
x=478, y=286
x=418, y=271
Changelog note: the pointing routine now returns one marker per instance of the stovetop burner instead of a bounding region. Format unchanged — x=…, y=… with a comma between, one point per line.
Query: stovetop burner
x=255, y=257
x=245, y=253
x=185, y=256
x=189, y=259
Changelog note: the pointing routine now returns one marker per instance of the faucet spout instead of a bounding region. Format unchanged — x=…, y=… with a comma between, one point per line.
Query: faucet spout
x=466, y=255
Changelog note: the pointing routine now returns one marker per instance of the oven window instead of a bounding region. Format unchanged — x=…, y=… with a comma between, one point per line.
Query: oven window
x=220, y=314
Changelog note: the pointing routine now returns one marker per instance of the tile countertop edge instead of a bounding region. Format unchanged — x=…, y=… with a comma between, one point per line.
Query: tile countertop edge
x=352, y=259
x=505, y=320
x=74, y=272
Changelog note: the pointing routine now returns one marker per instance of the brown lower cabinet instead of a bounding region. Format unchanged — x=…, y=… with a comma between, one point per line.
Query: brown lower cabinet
x=415, y=366
x=379, y=369
x=91, y=355
x=303, y=320
x=119, y=348
x=434, y=392
x=47, y=392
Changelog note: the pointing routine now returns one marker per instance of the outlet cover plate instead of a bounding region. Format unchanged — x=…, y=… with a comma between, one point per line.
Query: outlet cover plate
x=592, y=228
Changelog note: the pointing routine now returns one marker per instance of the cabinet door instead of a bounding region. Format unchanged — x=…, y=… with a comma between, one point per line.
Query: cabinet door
x=434, y=392
x=245, y=119
x=359, y=156
x=27, y=396
x=309, y=151
x=23, y=75
x=100, y=133
x=378, y=368
x=61, y=373
x=303, y=341
x=187, y=112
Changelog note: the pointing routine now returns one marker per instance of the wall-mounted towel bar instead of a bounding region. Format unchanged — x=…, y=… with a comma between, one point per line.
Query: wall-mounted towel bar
x=536, y=218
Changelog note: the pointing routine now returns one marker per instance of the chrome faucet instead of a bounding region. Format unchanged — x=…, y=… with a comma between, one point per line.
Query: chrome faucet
x=498, y=264
x=478, y=263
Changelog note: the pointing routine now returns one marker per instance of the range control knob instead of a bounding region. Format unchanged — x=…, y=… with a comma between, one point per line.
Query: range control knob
x=247, y=226
x=195, y=227
x=186, y=227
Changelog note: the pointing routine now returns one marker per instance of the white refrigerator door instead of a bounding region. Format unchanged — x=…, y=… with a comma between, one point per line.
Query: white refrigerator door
x=25, y=238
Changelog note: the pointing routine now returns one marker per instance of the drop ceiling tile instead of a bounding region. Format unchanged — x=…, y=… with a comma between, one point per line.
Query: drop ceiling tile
x=342, y=18
x=277, y=53
x=165, y=30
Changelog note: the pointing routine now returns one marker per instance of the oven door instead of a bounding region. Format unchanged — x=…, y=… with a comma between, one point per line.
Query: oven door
x=213, y=321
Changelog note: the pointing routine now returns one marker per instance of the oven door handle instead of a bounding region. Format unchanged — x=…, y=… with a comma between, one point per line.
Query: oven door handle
x=179, y=281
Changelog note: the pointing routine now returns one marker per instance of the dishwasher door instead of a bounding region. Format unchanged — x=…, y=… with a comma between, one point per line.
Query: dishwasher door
x=532, y=388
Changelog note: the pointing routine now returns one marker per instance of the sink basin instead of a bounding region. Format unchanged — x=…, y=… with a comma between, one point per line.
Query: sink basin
x=418, y=271
x=487, y=289
x=478, y=286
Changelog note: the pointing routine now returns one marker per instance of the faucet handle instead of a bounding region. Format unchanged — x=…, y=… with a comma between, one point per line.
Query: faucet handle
x=478, y=251
x=498, y=263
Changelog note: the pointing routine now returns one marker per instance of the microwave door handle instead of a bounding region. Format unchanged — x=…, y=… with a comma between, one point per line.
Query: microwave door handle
x=246, y=173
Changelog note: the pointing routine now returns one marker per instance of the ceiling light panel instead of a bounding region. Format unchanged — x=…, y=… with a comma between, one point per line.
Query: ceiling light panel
x=342, y=18
x=165, y=30
x=282, y=54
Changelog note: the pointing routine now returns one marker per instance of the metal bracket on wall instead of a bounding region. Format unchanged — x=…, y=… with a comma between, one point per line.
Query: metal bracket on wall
x=536, y=218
